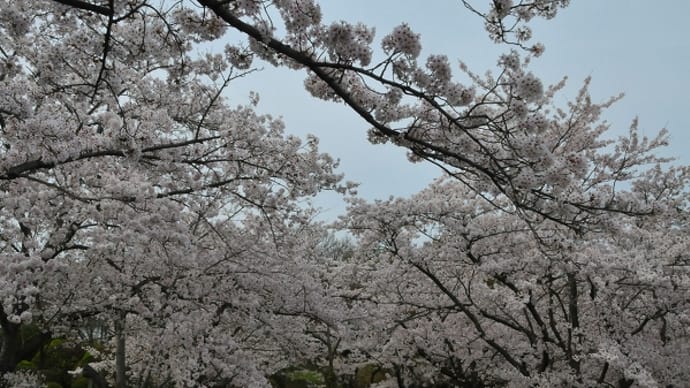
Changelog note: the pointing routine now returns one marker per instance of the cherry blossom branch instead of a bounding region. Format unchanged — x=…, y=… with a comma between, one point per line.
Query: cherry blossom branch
x=473, y=318
x=318, y=69
x=38, y=164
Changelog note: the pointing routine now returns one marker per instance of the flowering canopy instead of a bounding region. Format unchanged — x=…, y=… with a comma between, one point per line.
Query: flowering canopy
x=135, y=197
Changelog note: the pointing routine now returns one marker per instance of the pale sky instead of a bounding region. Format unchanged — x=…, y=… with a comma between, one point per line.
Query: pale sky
x=638, y=47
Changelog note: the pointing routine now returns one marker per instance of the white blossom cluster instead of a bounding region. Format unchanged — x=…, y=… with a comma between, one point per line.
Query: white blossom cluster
x=458, y=95
x=247, y=7
x=22, y=379
x=238, y=58
x=349, y=42
x=536, y=122
x=439, y=67
x=402, y=40
x=529, y=88
x=198, y=27
x=510, y=61
x=299, y=15
x=502, y=7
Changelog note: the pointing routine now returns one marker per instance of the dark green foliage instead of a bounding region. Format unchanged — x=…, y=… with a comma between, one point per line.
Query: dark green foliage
x=80, y=382
x=53, y=359
x=297, y=378
x=57, y=358
x=367, y=375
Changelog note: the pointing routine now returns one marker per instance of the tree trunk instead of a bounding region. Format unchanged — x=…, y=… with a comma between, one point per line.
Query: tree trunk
x=95, y=378
x=14, y=348
x=120, y=376
x=10, y=347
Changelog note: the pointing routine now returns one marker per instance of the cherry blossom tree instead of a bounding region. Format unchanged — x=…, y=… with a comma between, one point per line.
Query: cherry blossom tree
x=135, y=195
x=475, y=296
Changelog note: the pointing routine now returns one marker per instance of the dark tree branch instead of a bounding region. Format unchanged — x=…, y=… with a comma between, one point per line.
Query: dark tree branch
x=106, y=48
x=474, y=319
x=98, y=380
x=38, y=164
x=105, y=11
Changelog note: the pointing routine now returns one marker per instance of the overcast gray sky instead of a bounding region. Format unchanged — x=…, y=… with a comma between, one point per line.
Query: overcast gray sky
x=638, y=47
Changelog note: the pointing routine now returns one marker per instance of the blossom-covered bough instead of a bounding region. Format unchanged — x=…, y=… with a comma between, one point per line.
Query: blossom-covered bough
x=476, y=297
x=133, y=195
x=495, y=133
